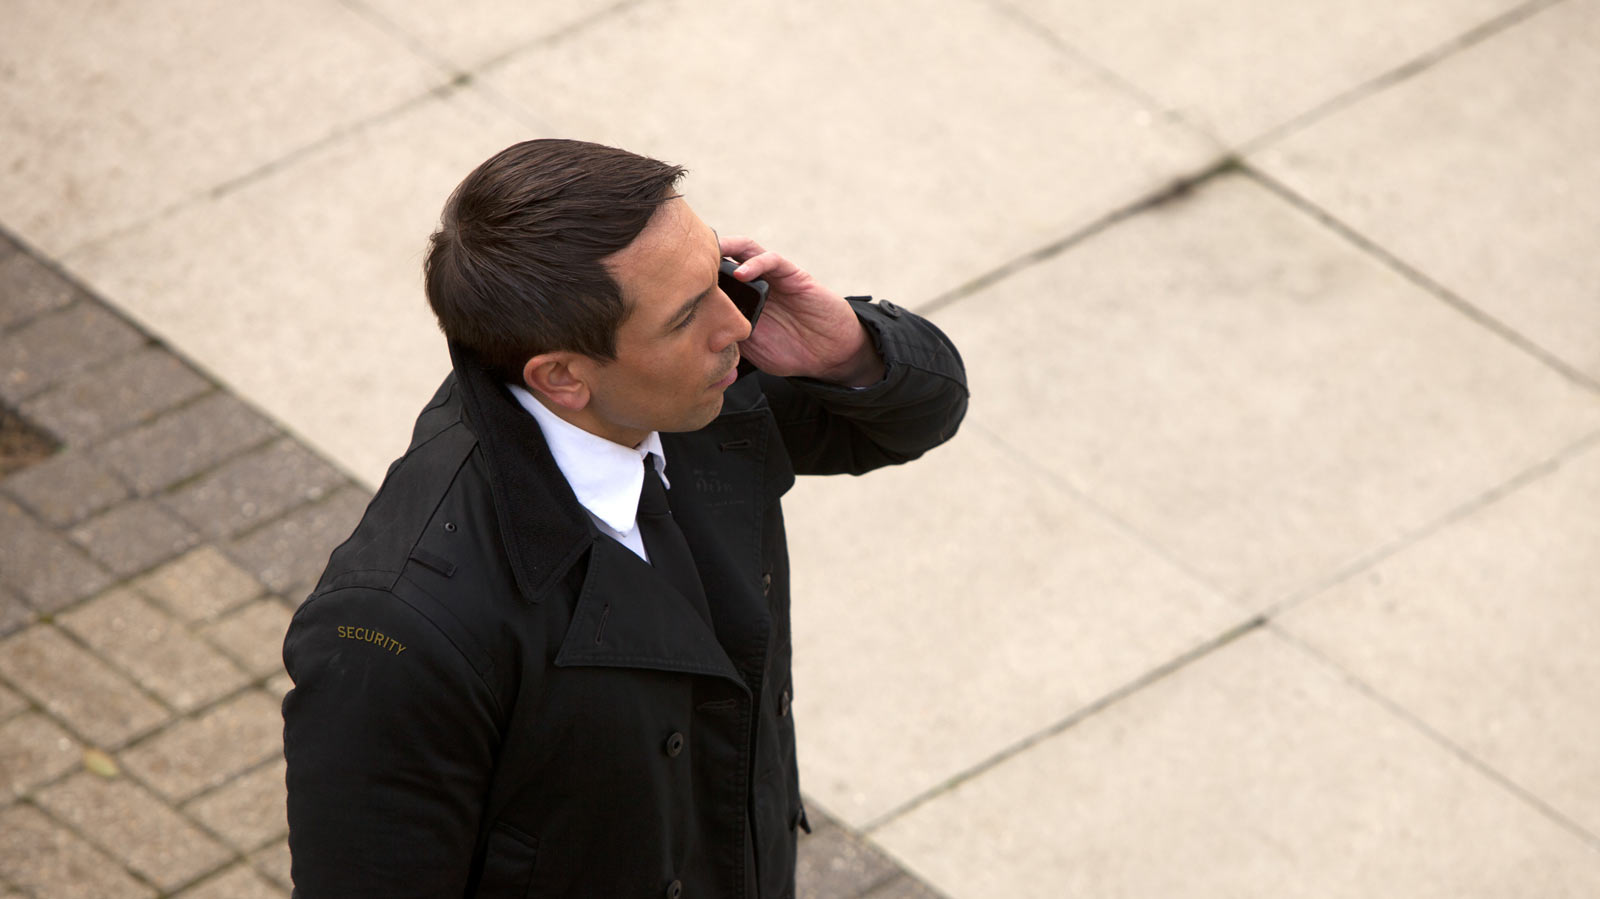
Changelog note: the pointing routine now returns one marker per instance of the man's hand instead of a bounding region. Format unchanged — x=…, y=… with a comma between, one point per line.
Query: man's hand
x=806, y=329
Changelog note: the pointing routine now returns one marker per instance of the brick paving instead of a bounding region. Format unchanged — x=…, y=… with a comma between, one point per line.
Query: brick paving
x=148, y=570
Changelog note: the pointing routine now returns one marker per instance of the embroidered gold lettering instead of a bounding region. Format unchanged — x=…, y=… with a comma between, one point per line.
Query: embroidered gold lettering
x=375, y=637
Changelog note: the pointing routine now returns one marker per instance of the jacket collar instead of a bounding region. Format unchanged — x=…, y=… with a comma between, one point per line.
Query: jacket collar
x=544, y=528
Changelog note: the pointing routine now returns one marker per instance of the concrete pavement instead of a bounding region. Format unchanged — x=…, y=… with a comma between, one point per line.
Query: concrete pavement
x=1263, y=566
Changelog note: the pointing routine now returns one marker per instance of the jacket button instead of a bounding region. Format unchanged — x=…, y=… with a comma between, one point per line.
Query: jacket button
x=675, y=890
x=783, y=703
x=674, y=745
x=766, y=584
x=889, y=308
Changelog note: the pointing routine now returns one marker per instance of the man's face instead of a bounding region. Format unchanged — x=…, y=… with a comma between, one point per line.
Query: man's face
x=678, y=347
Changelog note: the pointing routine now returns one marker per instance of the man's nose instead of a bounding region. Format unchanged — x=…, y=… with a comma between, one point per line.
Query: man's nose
x=735, y=327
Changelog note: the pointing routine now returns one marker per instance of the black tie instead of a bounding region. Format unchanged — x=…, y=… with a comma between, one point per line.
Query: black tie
x=663, y=540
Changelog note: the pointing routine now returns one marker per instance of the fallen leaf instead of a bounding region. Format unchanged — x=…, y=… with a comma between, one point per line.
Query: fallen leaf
x=100, y=763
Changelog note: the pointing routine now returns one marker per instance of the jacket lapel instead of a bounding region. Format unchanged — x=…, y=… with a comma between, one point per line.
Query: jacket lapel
x=629, y=616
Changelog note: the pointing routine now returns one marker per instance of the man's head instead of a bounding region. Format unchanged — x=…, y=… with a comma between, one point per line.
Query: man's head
x=575, y=269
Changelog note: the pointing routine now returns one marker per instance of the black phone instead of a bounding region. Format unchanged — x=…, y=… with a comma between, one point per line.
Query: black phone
x=749, y=296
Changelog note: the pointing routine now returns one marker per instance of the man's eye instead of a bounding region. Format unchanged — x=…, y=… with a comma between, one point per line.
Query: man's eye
x=687, y=319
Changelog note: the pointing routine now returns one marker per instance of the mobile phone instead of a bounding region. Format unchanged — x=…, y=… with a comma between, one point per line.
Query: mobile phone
x=749, y=296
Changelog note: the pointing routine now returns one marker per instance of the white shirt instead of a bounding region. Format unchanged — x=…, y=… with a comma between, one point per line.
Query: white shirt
x=606, y=477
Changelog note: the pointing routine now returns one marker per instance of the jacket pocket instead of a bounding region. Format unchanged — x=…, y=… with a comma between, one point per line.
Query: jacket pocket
x=507, y=864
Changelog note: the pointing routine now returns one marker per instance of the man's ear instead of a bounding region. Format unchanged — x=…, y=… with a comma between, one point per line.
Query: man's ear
x=558, y=378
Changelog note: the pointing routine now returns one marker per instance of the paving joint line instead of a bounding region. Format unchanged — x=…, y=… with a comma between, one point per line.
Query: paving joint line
x=1422, y=280
x=1112, y=77
x=1117, y=522
x=1149, y=678
x=1460, y=512
x=1406, y=70
x=561, y=34
x=1437, y=737
x=1174, y=190
x=235, y=183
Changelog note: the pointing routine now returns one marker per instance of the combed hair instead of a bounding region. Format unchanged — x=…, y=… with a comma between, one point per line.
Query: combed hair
x=516, y=268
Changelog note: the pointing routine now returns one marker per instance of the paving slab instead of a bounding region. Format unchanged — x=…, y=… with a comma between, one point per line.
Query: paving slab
x=28, y=288
x=1255, y=772
x=249, y=811
x=41, y=566
x=115, y=111
x=238, y=882
x=131, y=824
x=253, y=635
x=338, y=344
x=102, y=401
x=204, y=752
x=1239, y=68
x=52, y=347
x=1253, y=393
x=1486, y=632
x=10, y=703
x=254, y=488
x=66, y=488
x=886, y=157
x=156, y=649
x=190, y=441
x=33, y=750
x=273, y=863
x=134, y=536
x=201, y=585
x=1003, y=646
x=1468, y=173
x=291, y=552
x=77, y=688
x=48, y=860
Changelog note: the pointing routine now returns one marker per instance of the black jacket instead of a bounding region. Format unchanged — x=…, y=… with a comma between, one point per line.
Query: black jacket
x=491, y=699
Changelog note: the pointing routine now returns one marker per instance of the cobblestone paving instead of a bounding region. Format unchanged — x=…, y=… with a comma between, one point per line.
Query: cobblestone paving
x=148, y=571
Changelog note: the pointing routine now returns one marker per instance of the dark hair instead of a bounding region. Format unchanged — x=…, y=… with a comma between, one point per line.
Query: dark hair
x=515, y=268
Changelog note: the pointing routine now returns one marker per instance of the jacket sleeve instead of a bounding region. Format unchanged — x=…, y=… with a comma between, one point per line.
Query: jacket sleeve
x=918, y=405
x=389, y=734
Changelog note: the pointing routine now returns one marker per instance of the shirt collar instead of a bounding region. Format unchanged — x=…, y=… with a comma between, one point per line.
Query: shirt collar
x=606, y=477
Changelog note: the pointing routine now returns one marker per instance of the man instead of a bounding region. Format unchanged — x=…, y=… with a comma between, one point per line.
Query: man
x=519, y=677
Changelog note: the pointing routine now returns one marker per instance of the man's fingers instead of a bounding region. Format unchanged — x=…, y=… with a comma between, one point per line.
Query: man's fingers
x=767, y=265
x=740, y=248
